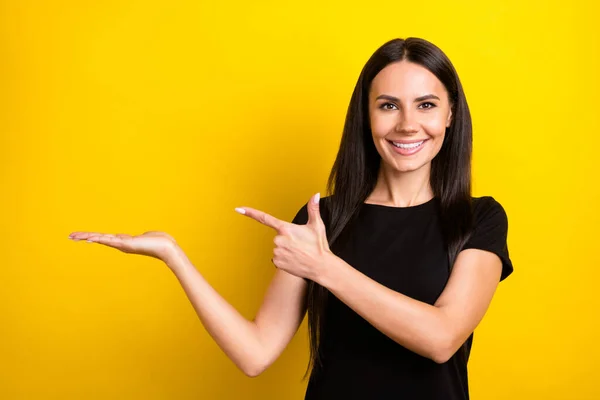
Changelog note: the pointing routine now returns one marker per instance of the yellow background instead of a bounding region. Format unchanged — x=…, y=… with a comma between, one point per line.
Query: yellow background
x=128, y=116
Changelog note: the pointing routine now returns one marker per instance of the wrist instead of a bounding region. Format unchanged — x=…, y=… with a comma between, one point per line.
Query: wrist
x=327, y=273
x=175, y=258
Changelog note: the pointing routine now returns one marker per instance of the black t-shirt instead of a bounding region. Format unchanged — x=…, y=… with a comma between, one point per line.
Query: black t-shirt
x=401, y=248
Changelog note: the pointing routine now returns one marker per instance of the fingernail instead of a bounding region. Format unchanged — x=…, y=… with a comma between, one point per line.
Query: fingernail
x=316, y=198
x=240, y=210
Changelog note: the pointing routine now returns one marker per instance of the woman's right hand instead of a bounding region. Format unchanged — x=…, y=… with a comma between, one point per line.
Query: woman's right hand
x=155, y=244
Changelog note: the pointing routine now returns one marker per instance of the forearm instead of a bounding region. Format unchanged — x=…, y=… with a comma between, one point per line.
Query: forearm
x=418, y=326
x=235, y=335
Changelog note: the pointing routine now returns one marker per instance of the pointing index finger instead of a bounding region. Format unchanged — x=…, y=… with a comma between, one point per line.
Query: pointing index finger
x=262, y=217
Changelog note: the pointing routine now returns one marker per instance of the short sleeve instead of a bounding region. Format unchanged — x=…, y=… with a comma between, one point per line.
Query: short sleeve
x=301, y=217
x=490, y=231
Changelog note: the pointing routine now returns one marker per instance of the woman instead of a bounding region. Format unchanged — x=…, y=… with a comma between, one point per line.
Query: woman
x=396, y=267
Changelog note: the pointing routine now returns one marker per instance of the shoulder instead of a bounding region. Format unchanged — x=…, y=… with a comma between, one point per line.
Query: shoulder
x=486, y=210
x=485, y=203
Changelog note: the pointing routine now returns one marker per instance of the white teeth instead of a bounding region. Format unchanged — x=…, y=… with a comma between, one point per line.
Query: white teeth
x=408, y=146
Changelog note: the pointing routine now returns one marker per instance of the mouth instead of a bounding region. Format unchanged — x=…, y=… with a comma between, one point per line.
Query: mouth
x=407, y=148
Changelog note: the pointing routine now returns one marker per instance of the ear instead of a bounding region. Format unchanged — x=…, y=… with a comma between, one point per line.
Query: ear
x=449, y=119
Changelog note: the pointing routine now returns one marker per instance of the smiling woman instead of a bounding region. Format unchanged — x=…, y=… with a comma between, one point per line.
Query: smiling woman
x=417, y=258
x=396, y=266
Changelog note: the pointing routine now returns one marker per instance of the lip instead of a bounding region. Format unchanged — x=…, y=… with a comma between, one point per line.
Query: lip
x=407, y=152
x=407, y=141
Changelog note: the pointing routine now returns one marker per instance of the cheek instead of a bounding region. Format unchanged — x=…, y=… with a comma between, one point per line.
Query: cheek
x=435, y=128
x=437, y=132
x=381, y=126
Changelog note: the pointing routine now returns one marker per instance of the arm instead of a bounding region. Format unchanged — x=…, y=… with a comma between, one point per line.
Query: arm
x=433, y=331
x=252, y=345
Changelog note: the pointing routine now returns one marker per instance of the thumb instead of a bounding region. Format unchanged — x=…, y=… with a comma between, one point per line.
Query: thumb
x=314, y=215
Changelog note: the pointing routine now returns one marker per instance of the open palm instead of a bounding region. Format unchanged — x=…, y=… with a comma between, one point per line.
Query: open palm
x=154, y=244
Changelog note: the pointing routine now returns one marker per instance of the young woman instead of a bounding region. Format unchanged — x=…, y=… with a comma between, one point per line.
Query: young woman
x=396, y=266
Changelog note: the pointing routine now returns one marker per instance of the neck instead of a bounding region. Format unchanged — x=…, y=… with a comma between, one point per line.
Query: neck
x=402, y=189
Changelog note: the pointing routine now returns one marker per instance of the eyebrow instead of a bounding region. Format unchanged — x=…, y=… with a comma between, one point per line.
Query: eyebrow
x=392, y=98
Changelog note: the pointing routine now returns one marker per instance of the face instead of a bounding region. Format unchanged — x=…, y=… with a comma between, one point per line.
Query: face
x=409, y=111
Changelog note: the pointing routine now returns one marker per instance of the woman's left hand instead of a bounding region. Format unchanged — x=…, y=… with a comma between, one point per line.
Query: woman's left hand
x=301, y=250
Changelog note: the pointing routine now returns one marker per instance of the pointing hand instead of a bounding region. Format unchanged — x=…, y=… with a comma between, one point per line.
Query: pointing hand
x=301, y=250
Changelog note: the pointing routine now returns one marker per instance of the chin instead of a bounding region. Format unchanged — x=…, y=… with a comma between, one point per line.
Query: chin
x=408, y=167
x=392, y=163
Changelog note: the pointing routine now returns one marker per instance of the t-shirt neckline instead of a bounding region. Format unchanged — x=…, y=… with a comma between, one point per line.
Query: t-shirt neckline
x=409, y=208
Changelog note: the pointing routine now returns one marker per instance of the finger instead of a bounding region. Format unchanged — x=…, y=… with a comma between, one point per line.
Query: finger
x=77, y=235
x=84, y=235
x=314, y=214
x=108, y=240
x=262, y=217
x=101, y=237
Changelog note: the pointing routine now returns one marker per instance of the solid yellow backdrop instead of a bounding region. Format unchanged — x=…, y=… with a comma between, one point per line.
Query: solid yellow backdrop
x=128, y=116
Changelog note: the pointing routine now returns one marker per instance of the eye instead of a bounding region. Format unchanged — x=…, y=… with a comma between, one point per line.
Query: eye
x=428, y=104
x=388, y=106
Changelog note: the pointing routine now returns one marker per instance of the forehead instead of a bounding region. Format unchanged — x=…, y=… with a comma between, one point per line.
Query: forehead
x=406, y=79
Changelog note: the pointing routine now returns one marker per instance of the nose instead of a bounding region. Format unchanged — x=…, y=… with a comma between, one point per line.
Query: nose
x=406, y=124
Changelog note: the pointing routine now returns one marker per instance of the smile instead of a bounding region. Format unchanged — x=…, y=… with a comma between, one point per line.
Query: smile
x=407, y=148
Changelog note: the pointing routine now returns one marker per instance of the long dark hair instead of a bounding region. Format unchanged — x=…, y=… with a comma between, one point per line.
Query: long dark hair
x=356, y=167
